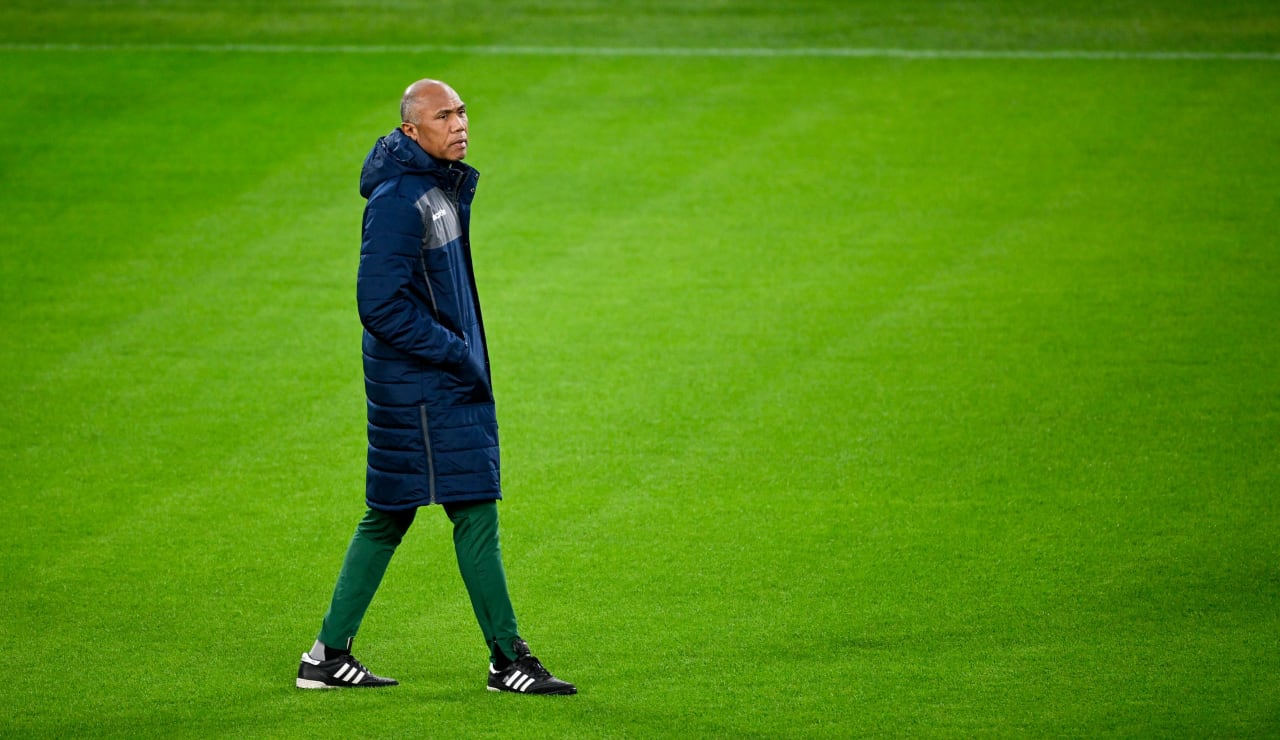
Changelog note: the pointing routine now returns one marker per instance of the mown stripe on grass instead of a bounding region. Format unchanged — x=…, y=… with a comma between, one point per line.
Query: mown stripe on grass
x=658, y=51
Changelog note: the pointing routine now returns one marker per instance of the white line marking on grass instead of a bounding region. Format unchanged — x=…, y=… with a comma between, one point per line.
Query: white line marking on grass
x=656, y=51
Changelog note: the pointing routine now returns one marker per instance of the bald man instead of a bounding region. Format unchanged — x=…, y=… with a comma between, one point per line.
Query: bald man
x=433, y=431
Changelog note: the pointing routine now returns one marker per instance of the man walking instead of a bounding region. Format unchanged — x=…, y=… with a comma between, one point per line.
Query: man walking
x=433, y=431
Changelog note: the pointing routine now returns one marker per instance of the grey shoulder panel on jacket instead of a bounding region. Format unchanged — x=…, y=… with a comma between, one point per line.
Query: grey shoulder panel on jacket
x=440, y=223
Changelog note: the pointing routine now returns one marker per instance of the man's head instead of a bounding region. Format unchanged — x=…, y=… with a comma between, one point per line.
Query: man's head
x=433, y=115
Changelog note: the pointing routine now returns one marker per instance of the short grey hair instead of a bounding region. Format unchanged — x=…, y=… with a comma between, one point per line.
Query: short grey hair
x=412, y=94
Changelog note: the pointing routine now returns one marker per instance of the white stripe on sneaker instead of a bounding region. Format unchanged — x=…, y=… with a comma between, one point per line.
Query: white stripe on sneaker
x=357, y=678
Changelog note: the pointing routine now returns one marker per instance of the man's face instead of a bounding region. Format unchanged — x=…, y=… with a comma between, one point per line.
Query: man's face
x=439, y=123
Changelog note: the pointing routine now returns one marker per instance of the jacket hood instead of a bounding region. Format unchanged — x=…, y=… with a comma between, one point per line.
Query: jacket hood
x=393, y=155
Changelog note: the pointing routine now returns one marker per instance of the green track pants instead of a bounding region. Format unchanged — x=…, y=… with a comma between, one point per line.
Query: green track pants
x=475, y=540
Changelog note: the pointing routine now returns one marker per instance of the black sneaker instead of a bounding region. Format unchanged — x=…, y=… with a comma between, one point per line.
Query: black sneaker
x=342, y=672
x=527, y=676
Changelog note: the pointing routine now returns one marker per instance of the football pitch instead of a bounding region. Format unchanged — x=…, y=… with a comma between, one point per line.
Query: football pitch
x=906, y=369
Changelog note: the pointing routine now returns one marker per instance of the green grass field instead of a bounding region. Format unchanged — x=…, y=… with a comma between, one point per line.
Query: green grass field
x=840, y=395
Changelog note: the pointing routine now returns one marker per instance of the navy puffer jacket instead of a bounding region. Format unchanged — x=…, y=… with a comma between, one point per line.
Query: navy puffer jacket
x=433, y=431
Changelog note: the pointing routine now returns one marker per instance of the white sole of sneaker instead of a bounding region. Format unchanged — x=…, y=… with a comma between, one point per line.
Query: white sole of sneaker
x=525, y=693
x=304, y=683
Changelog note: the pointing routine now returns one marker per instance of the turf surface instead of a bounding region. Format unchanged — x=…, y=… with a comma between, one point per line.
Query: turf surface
x=839, y=396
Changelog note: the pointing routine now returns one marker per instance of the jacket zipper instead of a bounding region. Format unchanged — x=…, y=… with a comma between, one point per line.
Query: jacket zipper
x=431, y=462
x=431, y=293
x=422, y=408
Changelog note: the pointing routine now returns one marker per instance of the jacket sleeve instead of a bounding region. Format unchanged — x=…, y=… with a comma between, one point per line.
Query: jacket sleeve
x=390, y=261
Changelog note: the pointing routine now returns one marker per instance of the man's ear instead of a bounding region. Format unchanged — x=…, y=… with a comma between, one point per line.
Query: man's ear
x=410, y=130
